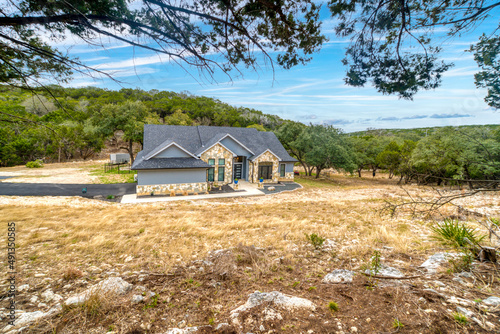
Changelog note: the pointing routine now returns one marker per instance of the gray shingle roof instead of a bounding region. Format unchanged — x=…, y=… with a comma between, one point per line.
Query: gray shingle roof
x=196, y=139
x=169, y=163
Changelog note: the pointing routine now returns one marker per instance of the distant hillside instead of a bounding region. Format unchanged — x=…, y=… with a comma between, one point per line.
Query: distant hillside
x=71, y=123
x=416, y=133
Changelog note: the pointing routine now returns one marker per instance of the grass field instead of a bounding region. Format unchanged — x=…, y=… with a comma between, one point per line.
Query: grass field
x=56, y=236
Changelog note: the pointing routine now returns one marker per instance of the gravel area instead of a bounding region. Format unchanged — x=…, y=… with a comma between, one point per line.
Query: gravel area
x=280, y=187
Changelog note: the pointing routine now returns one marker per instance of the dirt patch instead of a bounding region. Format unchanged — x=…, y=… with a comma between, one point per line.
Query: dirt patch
x=68, y=173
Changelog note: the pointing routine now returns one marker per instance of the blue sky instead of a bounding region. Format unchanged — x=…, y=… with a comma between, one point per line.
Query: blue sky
x=312, y=93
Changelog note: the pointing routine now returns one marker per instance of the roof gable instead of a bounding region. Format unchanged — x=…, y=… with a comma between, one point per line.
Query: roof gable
x=165, y=146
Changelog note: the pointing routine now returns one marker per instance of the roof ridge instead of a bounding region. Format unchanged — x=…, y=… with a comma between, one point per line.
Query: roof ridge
x=199, y=136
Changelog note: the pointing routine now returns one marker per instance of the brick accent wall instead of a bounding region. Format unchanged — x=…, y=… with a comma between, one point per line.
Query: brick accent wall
x=170, y=189
x=219, y=152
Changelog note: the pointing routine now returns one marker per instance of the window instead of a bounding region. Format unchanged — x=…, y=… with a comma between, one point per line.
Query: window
x=222, y=162
x=210, y=175
x=220, y=173
x=266, y=172
x=282, y=170
x=211, y=162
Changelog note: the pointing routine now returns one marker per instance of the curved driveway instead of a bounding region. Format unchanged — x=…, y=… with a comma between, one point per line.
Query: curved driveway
x=54, y=189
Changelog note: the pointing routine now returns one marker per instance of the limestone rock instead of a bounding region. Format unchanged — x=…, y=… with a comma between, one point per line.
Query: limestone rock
x=137, y=299
x=436, y=260
x=49, y=296
x=186, y=330
x=339, y=276
x=465, y=312
x=385, y=270
x=28, y=318
x=23, y=287
x=492, y=301
x=287, y=303
x=114, y=285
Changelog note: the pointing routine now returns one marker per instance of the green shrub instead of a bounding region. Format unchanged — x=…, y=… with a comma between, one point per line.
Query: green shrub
x=333, y=307
x=35, y=164
x=452, y=233
x=315, y=240
x=460, y=318
x=397, y=324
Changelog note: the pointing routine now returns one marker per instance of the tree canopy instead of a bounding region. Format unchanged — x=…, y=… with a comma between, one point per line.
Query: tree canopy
x=206, y=34
x=395, y=46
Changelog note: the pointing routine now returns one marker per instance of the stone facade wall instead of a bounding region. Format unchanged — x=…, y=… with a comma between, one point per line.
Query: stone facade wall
x=219, y=152
x=288, y=177
x=266, y=157
x=172, y=189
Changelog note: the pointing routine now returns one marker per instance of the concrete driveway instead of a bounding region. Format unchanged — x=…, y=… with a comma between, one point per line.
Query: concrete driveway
x=53, y=189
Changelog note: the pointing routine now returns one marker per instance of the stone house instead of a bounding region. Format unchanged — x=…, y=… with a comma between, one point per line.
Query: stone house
x=185, y=159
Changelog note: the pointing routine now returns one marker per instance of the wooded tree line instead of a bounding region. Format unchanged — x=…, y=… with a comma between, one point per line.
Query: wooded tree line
x=74, y=123
x=453, y=155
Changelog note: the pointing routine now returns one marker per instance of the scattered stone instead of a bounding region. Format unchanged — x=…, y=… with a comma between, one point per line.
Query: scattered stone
x=459, y=301
x=329, y=244
x=385, y=270
x=181, y=331
x=271, y=188
x=459, y=280
x=492, y=301
x=114, y=285
x=287, y=303
x=150, y=294
x=440, y=284
x=436, y=260
x=354, y=329
x=40, y=275
x=221, y=326
x=23, y=287
x=137, y=299
x=465, y=274
x=50, y=296
x=33, y=299
x=339, y=276
x=465, y=312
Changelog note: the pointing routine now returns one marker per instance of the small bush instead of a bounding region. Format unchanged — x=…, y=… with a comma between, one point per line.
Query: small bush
x=452, y=233
x=110, y=197
x=333, y=307
x=315, y=240
x=71, y=274
x=463, y=263
x=35, y=164
x=460, y=318
x=397, y=324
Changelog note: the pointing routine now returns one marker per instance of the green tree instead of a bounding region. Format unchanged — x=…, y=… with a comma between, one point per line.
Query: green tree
x=458, y=153
x=187, y=31
x=325, y=147
x=487, y=56
x=393, y=41
x=288, y=133
x=128, y=117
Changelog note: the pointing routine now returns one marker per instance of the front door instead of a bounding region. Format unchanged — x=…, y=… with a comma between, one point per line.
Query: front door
x=238, y=168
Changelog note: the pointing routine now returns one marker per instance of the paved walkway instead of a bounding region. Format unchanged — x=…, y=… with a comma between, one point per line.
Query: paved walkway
x=249, y=190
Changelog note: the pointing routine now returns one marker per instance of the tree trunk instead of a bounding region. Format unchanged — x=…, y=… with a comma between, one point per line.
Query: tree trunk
x=318, y=170
x=303, y=165
x=359, y=171
x=59, y=157
x=309, y=172
x=131, y=151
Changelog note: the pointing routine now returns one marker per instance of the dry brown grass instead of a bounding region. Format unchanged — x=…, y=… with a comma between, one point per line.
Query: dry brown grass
x=79, y=233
